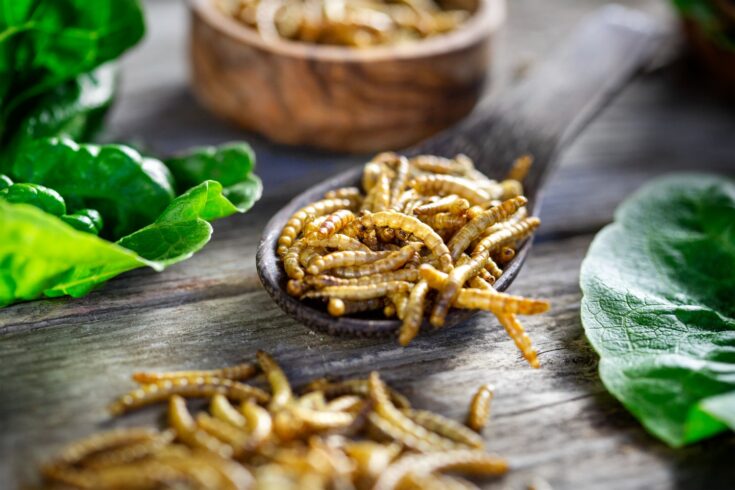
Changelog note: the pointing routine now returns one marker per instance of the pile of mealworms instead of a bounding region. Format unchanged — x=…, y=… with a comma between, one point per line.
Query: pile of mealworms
x=429, y=233
x=349, y=434
x=355, y=23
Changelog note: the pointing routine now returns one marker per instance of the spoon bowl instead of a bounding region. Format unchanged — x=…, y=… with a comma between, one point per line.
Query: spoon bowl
x=539, y=117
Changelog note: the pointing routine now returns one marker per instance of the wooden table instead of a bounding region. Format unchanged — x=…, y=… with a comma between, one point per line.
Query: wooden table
x=64, y=360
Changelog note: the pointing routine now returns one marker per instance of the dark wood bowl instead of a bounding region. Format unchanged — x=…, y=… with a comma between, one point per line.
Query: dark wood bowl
x=340, y=98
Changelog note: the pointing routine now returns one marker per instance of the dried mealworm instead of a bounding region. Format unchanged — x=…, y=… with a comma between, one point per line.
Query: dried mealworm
x=323, y=419
x=510, y=188
x=439, y=165
x=239, y=372
x=389, y=310
x=337, y=241
x=204, y=386
x=492, y=268
x=344, y=258
x=510, y=233
x=403, y=199
x=414, y=313
x=280, y=386
x=258, y=422
x=296, y=287
x=370, y=457
x=446, y=184
x=378, y=199
x=418, y=437
x=370, y=175
x=351, y=193
x=445, y=222
x=505, y=255
x=451, y=204
x=308, y=253
x=399, y=181
x=359, y=387
x=312, y=225
x=445, y=427
x=480, y=407
x=345, y=403
x=401, y=300
x=518, y=334
x=451, y=286
x=339, y=307
x=411, y=225
x=96, y=443
x=361, y=291
x=334, y=222
x=186, y=429
x=393, y=261
x=497, y=302
x=520, y=168
x=291, y=261
x=321, y=281
x=221, y=408
x=296, y=223
x=480, y=283
x=130, y=452
x=477, y=225
x=233, y=436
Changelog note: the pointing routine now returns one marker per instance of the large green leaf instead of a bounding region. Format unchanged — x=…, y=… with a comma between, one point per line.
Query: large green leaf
x=659, y=306
x=129, y=190
x=711, y=19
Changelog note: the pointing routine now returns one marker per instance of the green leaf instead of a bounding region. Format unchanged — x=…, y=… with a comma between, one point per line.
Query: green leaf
x=36, y=195
x=129, y=190
x=712, y=21
x=658, y=307
x=87, y=220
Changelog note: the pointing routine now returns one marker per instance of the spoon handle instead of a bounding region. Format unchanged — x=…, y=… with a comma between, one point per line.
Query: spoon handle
x=546, y=111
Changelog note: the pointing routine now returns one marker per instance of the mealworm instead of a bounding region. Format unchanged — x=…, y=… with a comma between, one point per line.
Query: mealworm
x=451, y=204
x=445, y=427
x=322, y=419
x=507, y=234
x=296, y=223
x=314, y=399
x=221, y=408
x=338, y=241
x=361, y=291
x=420, y=438
x=378, y=199
x=463, y=460
x=96, y=443
x=391, y=262
x=497, y=302
x=480, y=283
x=398, y=184
x=478, y=224
x=280, y=386
x=389, y=310
x=351, y=193
x=286, y=426
x=144, y=474
x=345, y=403
x=186, y=429
x=411, y=225
x=440, y=165
x=520, y=168
x=446, y=184
x=492, y=268
x=233, y=436
x=520, y=338
x=505, y=255
x=435, y=481
x=238, y=372
x=370, y=175
x=414, y=313
x=405, y=197
x=320, y=281
x=296, y=287
x=209, y=470
x=129, y=452
x=355, y=387
x=312, y=225
x=445, y=222
x=258, y=422
x=339, y=307
x=334, y=222
x=344, y=258
x=204, y=386
x=510, y=188
x=480, y=407
x=400, y=300
x=451, y=286
x=370, y=457
x=291, y=261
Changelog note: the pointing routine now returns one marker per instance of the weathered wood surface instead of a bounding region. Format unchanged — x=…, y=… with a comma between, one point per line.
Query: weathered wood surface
x=62, y=361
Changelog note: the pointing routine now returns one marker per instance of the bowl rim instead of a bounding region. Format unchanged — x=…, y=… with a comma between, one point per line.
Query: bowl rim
x=488, y=18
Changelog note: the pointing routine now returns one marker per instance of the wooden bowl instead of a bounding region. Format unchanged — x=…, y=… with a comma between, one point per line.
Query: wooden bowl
x=340, y=98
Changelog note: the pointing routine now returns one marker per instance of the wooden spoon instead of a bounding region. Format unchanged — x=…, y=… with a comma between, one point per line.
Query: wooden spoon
x=540, y=116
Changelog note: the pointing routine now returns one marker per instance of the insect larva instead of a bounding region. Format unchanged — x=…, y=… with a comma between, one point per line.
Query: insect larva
x=445, y=427
x=322, y=419
x=314, y=400
x=414, y=313
x=204, y=386
x=445, y=222
x=510, y=233
x=435, y=481
x=440, y=165
x=238, y=372
x=360, y=292
x=391, y=262
x=339, y=307
x=286, y=426
x=143, y=474
x=351, y=193
x=510, y=188
x=505, y=255
x=518, y=334
x=225, y=432
x=446, y=184
x=344, y=258
x=480, y=283
x=355, y=387
x=334, y=222
x=296, y=223
x=451, y=204
x=371, y=458
x=97, y=443
x=398, y=184
x=186, y=429
x=312, y=224
x=345, y=403
x=492, y=268
x=280, y=386
x=370, y=175
x=130, y=452
x=411, y=225
x=401, y=300
x=337, y=241
x=479, y=223
x=385, y=409
x=389, y=310
x=387, y=429
x=451, y=286
x=221, y=408
x=291, y=261
x=497, y=302
x=461, y=460
x=296, y=287
x=208, y=470
x=480, y=407
x=405, y=197
x=520, y=168
x=258, y=420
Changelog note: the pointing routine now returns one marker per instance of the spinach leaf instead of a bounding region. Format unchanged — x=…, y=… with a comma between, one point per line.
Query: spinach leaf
x=87, y=220
x=44, y=43
x=129, y=190
x=712, y=20
x=658, y=306
x=36, y=195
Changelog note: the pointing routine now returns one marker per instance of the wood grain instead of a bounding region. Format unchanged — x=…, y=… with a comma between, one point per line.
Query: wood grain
x=64, y=360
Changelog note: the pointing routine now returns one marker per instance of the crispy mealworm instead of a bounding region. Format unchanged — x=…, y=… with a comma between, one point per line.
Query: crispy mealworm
x=323, y=419
x=511, y=188
x=389, y=310
x=445, y=427
x=370, y=238
x=399, y=181
x=233, y=436
x=480, y=283
x=351, y=193
x=130, y=452
x=221, y=408
x=464, y=460
x=400, y=300
x=186, y=429
x=355, y=387
x=296, y=223
x=336, y=307
x=505, y=255
x=340, y=307
x=97, y=443
x=389, y=263
x=291, y=261
x=446, y=184
x=411, y=225
x=204, y=386
x=371, y=458
x=338, y=241
x=207, y=469
x=320, y=281
x=480, y=407
x=334, y=222
x=238, y=372
x=296, y=287
x=308, y=253
x=445, y=222
x=361, y=291
x=520, y=168
x=344, y=258
x=414, y=313
x=492, y=268
x=378, y=199
x=144, y=474
x=280, y=386
x=418, y=437
x=518, y=334
x=477, y=225
x=258, y=422
x=507, y=234
x=287, y=427
x=370, y=175
x=345, y=403
x=403, y=199
x=314, y=399
x=451, y=204
x=451, y=286
x=312, y=225
x=440, y=165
